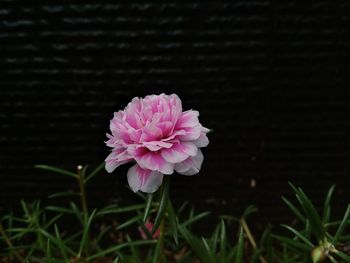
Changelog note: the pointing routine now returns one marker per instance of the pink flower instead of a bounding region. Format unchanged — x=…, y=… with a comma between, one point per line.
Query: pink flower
x=155, y=133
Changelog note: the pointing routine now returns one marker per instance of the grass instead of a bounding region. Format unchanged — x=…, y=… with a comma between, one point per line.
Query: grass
x=44, y=233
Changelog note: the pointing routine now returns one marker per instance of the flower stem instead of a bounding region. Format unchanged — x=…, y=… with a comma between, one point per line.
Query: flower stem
x=161, y=241
x=84, y=206
x=160, y=218
x=9, y=244
x=250, y=237
x=82, y=190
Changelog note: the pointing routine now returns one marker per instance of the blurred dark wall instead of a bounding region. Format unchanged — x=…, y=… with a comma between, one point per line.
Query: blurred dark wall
x=270, y=77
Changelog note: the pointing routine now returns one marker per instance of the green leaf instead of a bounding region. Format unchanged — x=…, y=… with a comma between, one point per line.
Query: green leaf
x=256, y=256
x=342, y=225
x=148, y=206
x=292, y=242
x=48, y=251
x=214, y=238
x=86, y=231
x=240, y=247
x=311, y=212
x=299, y=235
x=173, y=222
x=129, y=222
x=249, y=210
x=223, y=241
x=266, y=242
x=195, y=218
x=56, y=170
x=103, y=230
x=196, y=244
x=114, y=209
x=120, y=246
x=156, y=253
x=327, y=206
x=52, y=220
x=59, y=242
x=63, y=194
x=76, y=211
x=145, y=230
x=343, y=256
x=59, y=209
x=182, y=207
x=332, y=259
x=209, y=252
x=162, y=204
x=94, y=172
x=294, y=209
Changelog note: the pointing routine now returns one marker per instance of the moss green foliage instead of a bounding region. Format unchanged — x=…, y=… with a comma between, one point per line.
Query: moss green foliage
x=44, y=233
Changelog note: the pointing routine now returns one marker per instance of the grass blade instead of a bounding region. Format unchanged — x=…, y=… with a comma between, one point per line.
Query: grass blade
x=173, y=222
x=114, y=209
x=291, y=242
x=223, y=241
x=240, y=247
x=129, y=222
x=120, y=246
x=294, y=209
x=56, y=170
x=94, y=172
x=162, y=204
x=299, y=235
x=195, y=218
x=148, y=207
x=327, y=206
x=311, y=212
x=342, y=225
x=86, y=230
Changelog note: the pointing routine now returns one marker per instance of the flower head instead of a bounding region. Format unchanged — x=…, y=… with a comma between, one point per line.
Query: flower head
x=155, y=133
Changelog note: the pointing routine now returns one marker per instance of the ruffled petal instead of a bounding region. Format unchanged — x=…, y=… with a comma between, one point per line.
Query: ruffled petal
x=191, y=165
x=145, y=180
x=116, y=158
x=153, y=161
x=188, y=119
x=202, y=141
x=157, y=145
x=191, y=133
x=179, y=152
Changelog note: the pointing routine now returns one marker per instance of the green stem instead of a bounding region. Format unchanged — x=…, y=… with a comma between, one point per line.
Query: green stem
x=82, y=190
x=163, y=203
x=251, y=238
x=161, y=240
x=9, y=244
x=84, y=206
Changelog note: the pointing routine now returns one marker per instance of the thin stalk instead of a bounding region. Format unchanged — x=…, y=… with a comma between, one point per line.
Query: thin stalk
x=9, y=244
x=84, y=206
x=161, y=241
x=82, y=190
x=163, y=202
x=251, y=238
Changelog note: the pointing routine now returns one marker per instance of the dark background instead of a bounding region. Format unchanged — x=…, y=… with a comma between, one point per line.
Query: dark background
x=271, y=78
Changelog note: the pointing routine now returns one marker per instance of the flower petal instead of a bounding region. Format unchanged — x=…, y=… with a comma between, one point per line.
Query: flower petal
x=157, y=145
x=142, y=179
x=202, y=141
x=191, y=165
x=179, y=152
x=188, y=119
x=153, y=161
x=192, y=133
x=116, y=158
x=151, y=133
